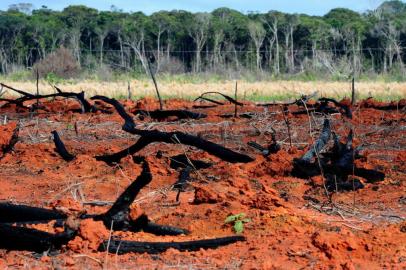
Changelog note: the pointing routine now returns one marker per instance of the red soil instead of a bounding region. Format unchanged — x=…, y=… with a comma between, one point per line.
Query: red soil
x=293, y=225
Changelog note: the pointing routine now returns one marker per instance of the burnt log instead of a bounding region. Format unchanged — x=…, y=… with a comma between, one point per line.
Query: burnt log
x=391, y=106
x=346, y=110
x=122, y=247
x=12, y=213
x=60, y=147
x=86, y=107
x=320, y=142
x=143, y=223
x=273, y=148
x=336, y=165
x=151, y=136
x=21, y=238
x=163, y=114
x=118, y=214
x=128, y=120
x=228, y=98
x=181, y=161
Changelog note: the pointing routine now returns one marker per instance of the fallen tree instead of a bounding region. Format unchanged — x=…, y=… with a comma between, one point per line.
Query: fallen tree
x=152, y=136
x=85, y=105
x=117, y=217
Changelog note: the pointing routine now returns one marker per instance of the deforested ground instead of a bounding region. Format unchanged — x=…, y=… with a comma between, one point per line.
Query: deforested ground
x=293, y=222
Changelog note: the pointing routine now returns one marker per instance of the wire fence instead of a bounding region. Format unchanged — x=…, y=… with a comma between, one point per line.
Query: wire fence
x=326, y=61
x=181, y=61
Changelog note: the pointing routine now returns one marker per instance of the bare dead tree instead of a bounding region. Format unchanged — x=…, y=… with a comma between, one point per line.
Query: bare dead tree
x=257, y=34
x=198, y=31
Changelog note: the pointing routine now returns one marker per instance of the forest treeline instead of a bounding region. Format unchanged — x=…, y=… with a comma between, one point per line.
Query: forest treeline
x=341, y=43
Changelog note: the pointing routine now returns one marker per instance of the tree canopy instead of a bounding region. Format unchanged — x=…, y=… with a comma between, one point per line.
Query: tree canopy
x=341, y=43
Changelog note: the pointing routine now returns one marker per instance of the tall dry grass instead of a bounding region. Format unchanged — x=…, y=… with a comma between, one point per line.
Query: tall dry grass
x=257, y=91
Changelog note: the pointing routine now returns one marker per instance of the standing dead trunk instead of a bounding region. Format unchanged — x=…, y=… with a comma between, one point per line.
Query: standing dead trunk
x=257, y=33
x=292, y=56
x=198, y=31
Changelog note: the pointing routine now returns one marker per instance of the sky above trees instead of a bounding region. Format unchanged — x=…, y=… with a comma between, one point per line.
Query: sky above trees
x=311, y=7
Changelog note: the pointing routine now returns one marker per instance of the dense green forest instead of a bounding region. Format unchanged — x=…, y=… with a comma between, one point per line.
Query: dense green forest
x=340, y=44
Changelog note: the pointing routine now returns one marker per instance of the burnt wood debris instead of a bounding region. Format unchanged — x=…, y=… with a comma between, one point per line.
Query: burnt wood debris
x=22, y=238
x=300, y=101
x=12, y=142
x=186, y=166
x=272, y=148
x=152, y=136
x=336, y=164
x=85, y=105
x=15, y=237
x=122, y=247
x=372, y=104
x=228, y=98
x=11, y=213
x=60, y=147
x=161, y=115
x=322, y=105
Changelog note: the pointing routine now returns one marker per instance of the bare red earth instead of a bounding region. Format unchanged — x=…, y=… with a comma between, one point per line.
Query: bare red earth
x=293, y=224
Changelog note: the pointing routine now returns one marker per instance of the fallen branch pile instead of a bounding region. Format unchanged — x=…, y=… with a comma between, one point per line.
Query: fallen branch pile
x=117, y=217
x=85, y=105
x=151, y=136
